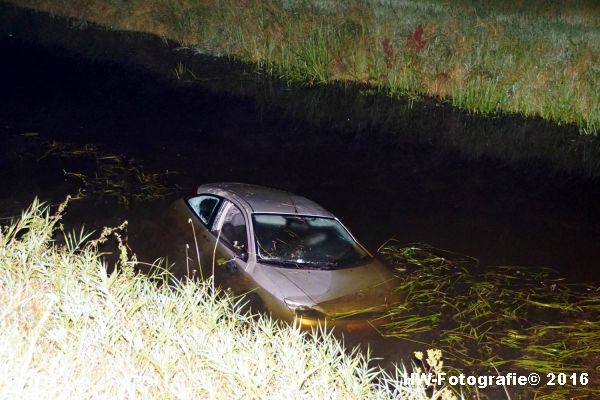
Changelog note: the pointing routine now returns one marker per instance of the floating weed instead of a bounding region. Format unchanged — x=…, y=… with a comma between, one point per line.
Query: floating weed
x=111, y=175
x=183, y=73
x=508, y=316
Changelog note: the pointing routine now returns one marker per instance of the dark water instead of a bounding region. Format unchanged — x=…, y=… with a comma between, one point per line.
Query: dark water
x=411, y=189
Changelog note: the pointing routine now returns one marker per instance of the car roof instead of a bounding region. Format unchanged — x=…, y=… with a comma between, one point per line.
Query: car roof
x=260, y=199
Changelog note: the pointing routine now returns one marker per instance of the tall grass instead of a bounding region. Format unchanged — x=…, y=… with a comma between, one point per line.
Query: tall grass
x=70, y=329
x=532, y=58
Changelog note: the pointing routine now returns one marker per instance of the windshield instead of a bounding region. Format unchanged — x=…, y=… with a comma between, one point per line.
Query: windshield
x=300, y=241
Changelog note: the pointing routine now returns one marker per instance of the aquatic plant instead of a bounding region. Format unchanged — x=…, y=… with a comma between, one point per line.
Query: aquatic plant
x=500, y=316
x=111, y=175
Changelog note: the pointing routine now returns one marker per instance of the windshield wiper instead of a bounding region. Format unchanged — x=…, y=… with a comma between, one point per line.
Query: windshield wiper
x=300, y=264
x=321, y=264
x=278, y=261
x=357, y=261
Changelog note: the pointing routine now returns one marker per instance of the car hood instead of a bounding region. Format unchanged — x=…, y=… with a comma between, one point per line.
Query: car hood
x=332, y=291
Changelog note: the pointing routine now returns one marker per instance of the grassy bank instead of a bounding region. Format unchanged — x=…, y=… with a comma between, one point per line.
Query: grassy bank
x=71, y=330
x=532, y=58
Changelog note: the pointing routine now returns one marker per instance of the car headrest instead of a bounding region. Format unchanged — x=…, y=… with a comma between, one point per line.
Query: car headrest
x=237, y=220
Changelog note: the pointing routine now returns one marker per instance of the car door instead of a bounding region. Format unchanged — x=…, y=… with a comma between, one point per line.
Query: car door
x=230, y=231
x=205, y=208
x=221, y=233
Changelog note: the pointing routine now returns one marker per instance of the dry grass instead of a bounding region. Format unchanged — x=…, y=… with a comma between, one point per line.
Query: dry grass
x=69, y=329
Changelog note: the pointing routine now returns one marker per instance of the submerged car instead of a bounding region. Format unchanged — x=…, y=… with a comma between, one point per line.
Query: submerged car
x=303, y=262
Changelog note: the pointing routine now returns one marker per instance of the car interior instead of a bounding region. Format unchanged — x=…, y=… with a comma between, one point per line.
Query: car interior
x=204, y=207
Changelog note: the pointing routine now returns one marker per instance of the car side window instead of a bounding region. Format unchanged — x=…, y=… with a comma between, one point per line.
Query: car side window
x=232, y=226
x=204, y=206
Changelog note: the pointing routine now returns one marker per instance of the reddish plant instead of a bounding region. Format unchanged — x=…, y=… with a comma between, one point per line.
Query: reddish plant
x=388, y=52
x=415, y=40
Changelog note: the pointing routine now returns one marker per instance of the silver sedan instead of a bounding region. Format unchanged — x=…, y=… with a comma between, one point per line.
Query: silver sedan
x=302, y=261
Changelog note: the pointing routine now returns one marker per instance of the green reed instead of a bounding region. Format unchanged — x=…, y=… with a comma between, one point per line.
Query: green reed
x=532, y=58
x=503, y=316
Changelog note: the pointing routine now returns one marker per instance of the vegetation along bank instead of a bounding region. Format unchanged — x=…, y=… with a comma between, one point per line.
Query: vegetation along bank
x=535, y=58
